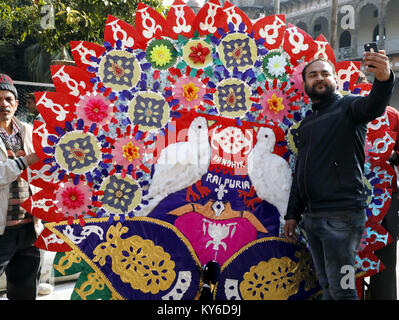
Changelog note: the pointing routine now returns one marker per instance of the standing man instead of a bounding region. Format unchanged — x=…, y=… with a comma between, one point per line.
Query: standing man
x=19, y=258
x=32, y=108
x=328, y=184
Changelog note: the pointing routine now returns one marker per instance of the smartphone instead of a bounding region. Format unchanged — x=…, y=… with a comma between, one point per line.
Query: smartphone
x=371, y=46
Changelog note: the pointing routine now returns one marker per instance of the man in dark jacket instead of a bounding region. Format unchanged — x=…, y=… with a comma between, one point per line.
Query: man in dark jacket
x=328, y=180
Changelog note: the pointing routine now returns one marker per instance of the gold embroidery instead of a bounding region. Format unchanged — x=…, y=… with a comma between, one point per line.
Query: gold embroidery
x=67, y=261
x=271, y=280
x=93, y=283
x=139, y=262
x=52, y=226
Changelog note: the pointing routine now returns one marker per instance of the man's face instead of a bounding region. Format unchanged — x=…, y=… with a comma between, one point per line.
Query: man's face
x=320, y=82
x=31, y=105
x=8, y=105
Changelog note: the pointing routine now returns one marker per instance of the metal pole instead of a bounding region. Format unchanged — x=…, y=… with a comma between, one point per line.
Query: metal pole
x=276, y=6
x=334, y=19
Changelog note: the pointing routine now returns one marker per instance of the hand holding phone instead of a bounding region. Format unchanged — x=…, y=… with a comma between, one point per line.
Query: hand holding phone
x=371, y=47
x=376, y=61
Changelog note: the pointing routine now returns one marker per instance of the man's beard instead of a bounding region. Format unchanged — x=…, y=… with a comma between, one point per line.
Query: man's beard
x=316, y=95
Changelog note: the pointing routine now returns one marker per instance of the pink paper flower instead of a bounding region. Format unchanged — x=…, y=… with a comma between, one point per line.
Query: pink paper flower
x=73, y=199
x=94, y=108
x=190, y=92
x=275, y=105
x=128, y=151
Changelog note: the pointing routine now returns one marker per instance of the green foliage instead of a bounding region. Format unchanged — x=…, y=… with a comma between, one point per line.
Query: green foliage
x=29, y=39
x=73, y=19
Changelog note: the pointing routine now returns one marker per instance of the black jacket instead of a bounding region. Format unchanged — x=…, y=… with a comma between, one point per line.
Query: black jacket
x=330, y=162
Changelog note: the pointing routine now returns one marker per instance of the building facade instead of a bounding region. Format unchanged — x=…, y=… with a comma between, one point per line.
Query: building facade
x=359, y=22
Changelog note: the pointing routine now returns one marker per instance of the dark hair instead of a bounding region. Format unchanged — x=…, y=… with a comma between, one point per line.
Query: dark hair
x=313, y=61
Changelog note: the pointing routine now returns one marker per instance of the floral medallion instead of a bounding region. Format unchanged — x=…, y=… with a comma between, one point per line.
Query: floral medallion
x=197, y=54
x=128, y=151
x=119, y=70
x=161, y=54
x=278, y=101
x=275, y=65
x=238, y=50
x=78, y=152
x=94, y=108
x=121, y=195
x=73, y=200
x=232, y=97
x=149, y=110
x=190, y=92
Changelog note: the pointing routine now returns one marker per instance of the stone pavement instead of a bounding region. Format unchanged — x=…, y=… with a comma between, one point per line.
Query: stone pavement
x=63, y=290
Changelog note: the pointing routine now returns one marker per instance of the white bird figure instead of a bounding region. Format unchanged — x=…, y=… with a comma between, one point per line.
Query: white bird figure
x=269, y=173
x=180, y=165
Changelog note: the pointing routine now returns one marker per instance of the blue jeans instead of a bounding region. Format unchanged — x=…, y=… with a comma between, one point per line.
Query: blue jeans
x=333, y=240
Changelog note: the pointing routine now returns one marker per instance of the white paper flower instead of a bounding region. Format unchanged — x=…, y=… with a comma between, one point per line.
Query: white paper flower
x=276, y=65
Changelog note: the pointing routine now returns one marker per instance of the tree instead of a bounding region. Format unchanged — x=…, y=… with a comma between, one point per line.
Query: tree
x=49, y=26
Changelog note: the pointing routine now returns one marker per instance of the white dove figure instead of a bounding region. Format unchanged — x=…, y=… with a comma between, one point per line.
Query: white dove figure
x=180, y=165
x=269, y=173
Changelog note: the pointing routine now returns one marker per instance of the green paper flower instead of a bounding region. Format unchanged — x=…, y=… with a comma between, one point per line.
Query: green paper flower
x=161, y=54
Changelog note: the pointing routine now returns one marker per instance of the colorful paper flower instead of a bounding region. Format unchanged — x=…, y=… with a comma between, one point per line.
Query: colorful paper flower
x=190, y=92
x=121, y=195
x=275, y=65
x=119, y=70
x=233, y=97
x=197, y=53
x=148, y=109
x=78, y=152
x=277, y=102
x=94, y=108
x=73, y=200
x=128, y=151
x=238, y=50
x=161, y=54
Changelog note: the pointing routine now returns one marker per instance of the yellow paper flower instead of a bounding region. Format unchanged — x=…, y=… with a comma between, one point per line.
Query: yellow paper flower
x=190, y=91
x=161, y=55
x=131, y=152
x=275, y=103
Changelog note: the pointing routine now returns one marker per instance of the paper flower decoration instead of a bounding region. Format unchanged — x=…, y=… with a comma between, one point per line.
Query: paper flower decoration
x=128, y=151
x=161, y=54
x=73, y=200
x=277, y=102
x=94, y=108
x=121, y=195
x=197, y=53
x=119, y=70
x=233, y=97
x=275, y=65
x=149, y=110
x=238, y=50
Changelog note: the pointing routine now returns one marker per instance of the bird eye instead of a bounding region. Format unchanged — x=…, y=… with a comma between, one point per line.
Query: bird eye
x=199, y=127
x=266, y=136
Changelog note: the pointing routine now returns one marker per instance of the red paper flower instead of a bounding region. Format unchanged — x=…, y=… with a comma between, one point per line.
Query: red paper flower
x=199, y=53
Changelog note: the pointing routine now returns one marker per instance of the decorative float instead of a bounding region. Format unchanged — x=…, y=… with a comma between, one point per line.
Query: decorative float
x=172, y=144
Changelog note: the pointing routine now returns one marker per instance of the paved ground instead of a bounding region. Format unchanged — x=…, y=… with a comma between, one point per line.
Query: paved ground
x=63, y=291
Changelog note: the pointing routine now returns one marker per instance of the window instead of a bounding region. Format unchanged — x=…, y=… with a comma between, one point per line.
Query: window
x=376, y=33
x=345, y=39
